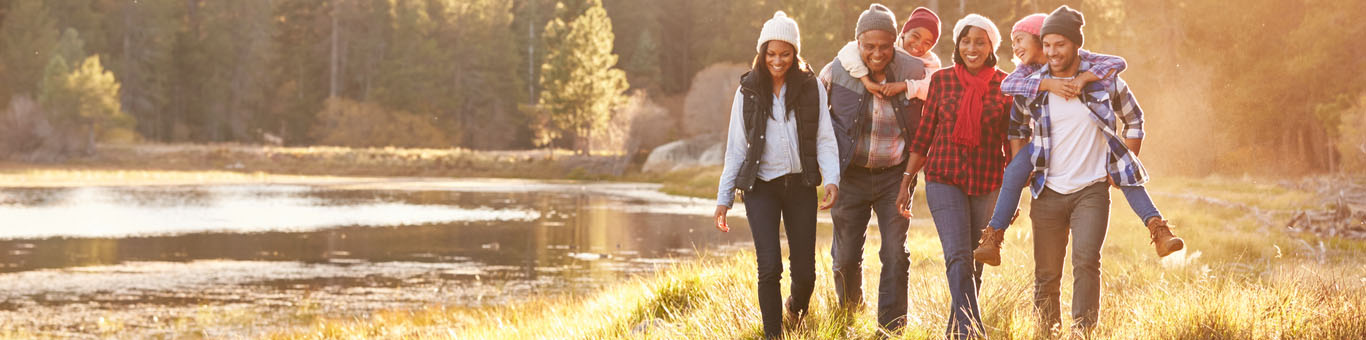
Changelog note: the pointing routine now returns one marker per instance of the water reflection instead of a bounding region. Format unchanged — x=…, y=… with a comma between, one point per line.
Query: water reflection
x=350, y=249
x=121, y=212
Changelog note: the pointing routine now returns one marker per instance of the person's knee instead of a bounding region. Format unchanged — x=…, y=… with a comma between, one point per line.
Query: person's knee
x=803, y=269
x=894, y=252
x=1086, y=258
x=770, y=275
x=958, y=258
x=854, y=265
x=1047, y=277
x=769, y=263
x=1085, y=266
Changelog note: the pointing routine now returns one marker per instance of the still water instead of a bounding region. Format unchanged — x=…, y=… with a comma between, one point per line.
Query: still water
x=151, y=261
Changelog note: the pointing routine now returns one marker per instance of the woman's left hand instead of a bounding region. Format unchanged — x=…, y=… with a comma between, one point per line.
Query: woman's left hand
x=831, y=193
x=903, y=196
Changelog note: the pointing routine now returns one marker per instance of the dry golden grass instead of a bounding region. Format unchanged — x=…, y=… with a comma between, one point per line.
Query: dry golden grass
x=1238, y=279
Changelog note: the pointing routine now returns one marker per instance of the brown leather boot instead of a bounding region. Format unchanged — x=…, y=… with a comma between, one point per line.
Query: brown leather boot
x=1163, y=239
x=989, y=249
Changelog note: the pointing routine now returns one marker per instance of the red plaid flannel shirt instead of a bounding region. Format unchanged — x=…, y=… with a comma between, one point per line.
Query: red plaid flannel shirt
x=976, y=170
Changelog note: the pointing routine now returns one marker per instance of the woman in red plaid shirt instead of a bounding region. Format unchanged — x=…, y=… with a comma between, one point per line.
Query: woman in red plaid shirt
x=960, y=145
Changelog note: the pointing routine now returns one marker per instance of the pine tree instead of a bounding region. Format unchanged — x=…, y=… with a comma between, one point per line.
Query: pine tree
x=70, y=46
x=486, y=85
x=581, y=86
x=26, y=41
x=53, y=94
x=85, y=97
x=140, y=56
x=297, y=67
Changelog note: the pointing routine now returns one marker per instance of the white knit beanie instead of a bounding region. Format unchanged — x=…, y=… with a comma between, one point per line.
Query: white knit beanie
x=780, y=28
x=993, y=33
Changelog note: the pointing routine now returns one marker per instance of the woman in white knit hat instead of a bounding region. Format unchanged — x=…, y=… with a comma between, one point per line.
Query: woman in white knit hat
x=779, y=147
x=960, y=145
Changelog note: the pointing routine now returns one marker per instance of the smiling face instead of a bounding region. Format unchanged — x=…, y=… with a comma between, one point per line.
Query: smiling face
x=778, y=57
x=877, y=49
x=974, y=49
x=1062, y=55
x=917, y=41
x=1026, y=48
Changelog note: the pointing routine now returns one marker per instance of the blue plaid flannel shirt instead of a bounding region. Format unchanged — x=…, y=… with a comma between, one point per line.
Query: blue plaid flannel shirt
x=1111, y=103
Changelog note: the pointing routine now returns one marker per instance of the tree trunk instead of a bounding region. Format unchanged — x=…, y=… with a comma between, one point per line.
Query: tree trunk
x=531, y=62
x=90, y=139
x=332, y=79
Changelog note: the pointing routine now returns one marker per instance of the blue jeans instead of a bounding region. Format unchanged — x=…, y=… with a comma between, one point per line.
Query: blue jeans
x=863, y=192
x=1085, y=215
x=1016, y=178
x=959, y=219
x=787, y=202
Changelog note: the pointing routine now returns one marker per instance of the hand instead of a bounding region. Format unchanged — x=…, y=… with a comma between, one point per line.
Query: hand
x=903, y=197
x=894, y=88
x=721, y=219
x=1111, y=180
x=874, y=88
x=1060, y=87
x=831, y=193
x=1079, y=84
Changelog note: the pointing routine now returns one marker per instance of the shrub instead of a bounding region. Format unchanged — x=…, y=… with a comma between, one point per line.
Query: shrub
x=344, y=122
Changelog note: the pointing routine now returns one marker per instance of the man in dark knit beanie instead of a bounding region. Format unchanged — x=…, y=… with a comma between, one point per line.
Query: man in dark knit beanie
x=1080, y=150
x=1064, y=21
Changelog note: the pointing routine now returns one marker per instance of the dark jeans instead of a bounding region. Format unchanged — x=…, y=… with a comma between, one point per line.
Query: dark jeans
x=1086, y=214
x=788, y=201
x=862, y=190
x=959, y=219
x=1017, y=179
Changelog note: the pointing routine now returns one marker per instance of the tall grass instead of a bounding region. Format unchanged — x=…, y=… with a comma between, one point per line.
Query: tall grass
x=1239, y=278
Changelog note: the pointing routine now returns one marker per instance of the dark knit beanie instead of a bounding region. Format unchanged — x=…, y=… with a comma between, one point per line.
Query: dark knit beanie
x=877, y=17
x=1066, y=22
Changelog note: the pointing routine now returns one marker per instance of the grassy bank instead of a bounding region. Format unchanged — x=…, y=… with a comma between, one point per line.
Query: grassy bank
x=352, y=162
x=1240, y=278
x=692, y=183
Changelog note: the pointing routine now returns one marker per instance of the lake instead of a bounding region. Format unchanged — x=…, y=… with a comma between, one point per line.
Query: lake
x=243, y=260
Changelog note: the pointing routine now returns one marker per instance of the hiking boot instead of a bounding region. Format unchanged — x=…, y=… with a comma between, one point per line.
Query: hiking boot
x=1163, y=240
x=989, y=249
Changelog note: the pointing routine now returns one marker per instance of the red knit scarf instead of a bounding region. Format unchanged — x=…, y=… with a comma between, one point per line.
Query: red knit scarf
x=968, y=130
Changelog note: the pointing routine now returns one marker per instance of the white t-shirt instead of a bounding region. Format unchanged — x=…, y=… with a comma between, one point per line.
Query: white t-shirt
x=1079, y=150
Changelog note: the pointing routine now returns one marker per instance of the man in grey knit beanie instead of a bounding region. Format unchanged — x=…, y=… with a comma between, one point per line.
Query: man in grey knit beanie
x=876, y=17
x=872, y=132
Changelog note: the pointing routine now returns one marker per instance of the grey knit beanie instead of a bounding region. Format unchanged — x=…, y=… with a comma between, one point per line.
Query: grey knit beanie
x=1064, y=21
x=877, y=17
